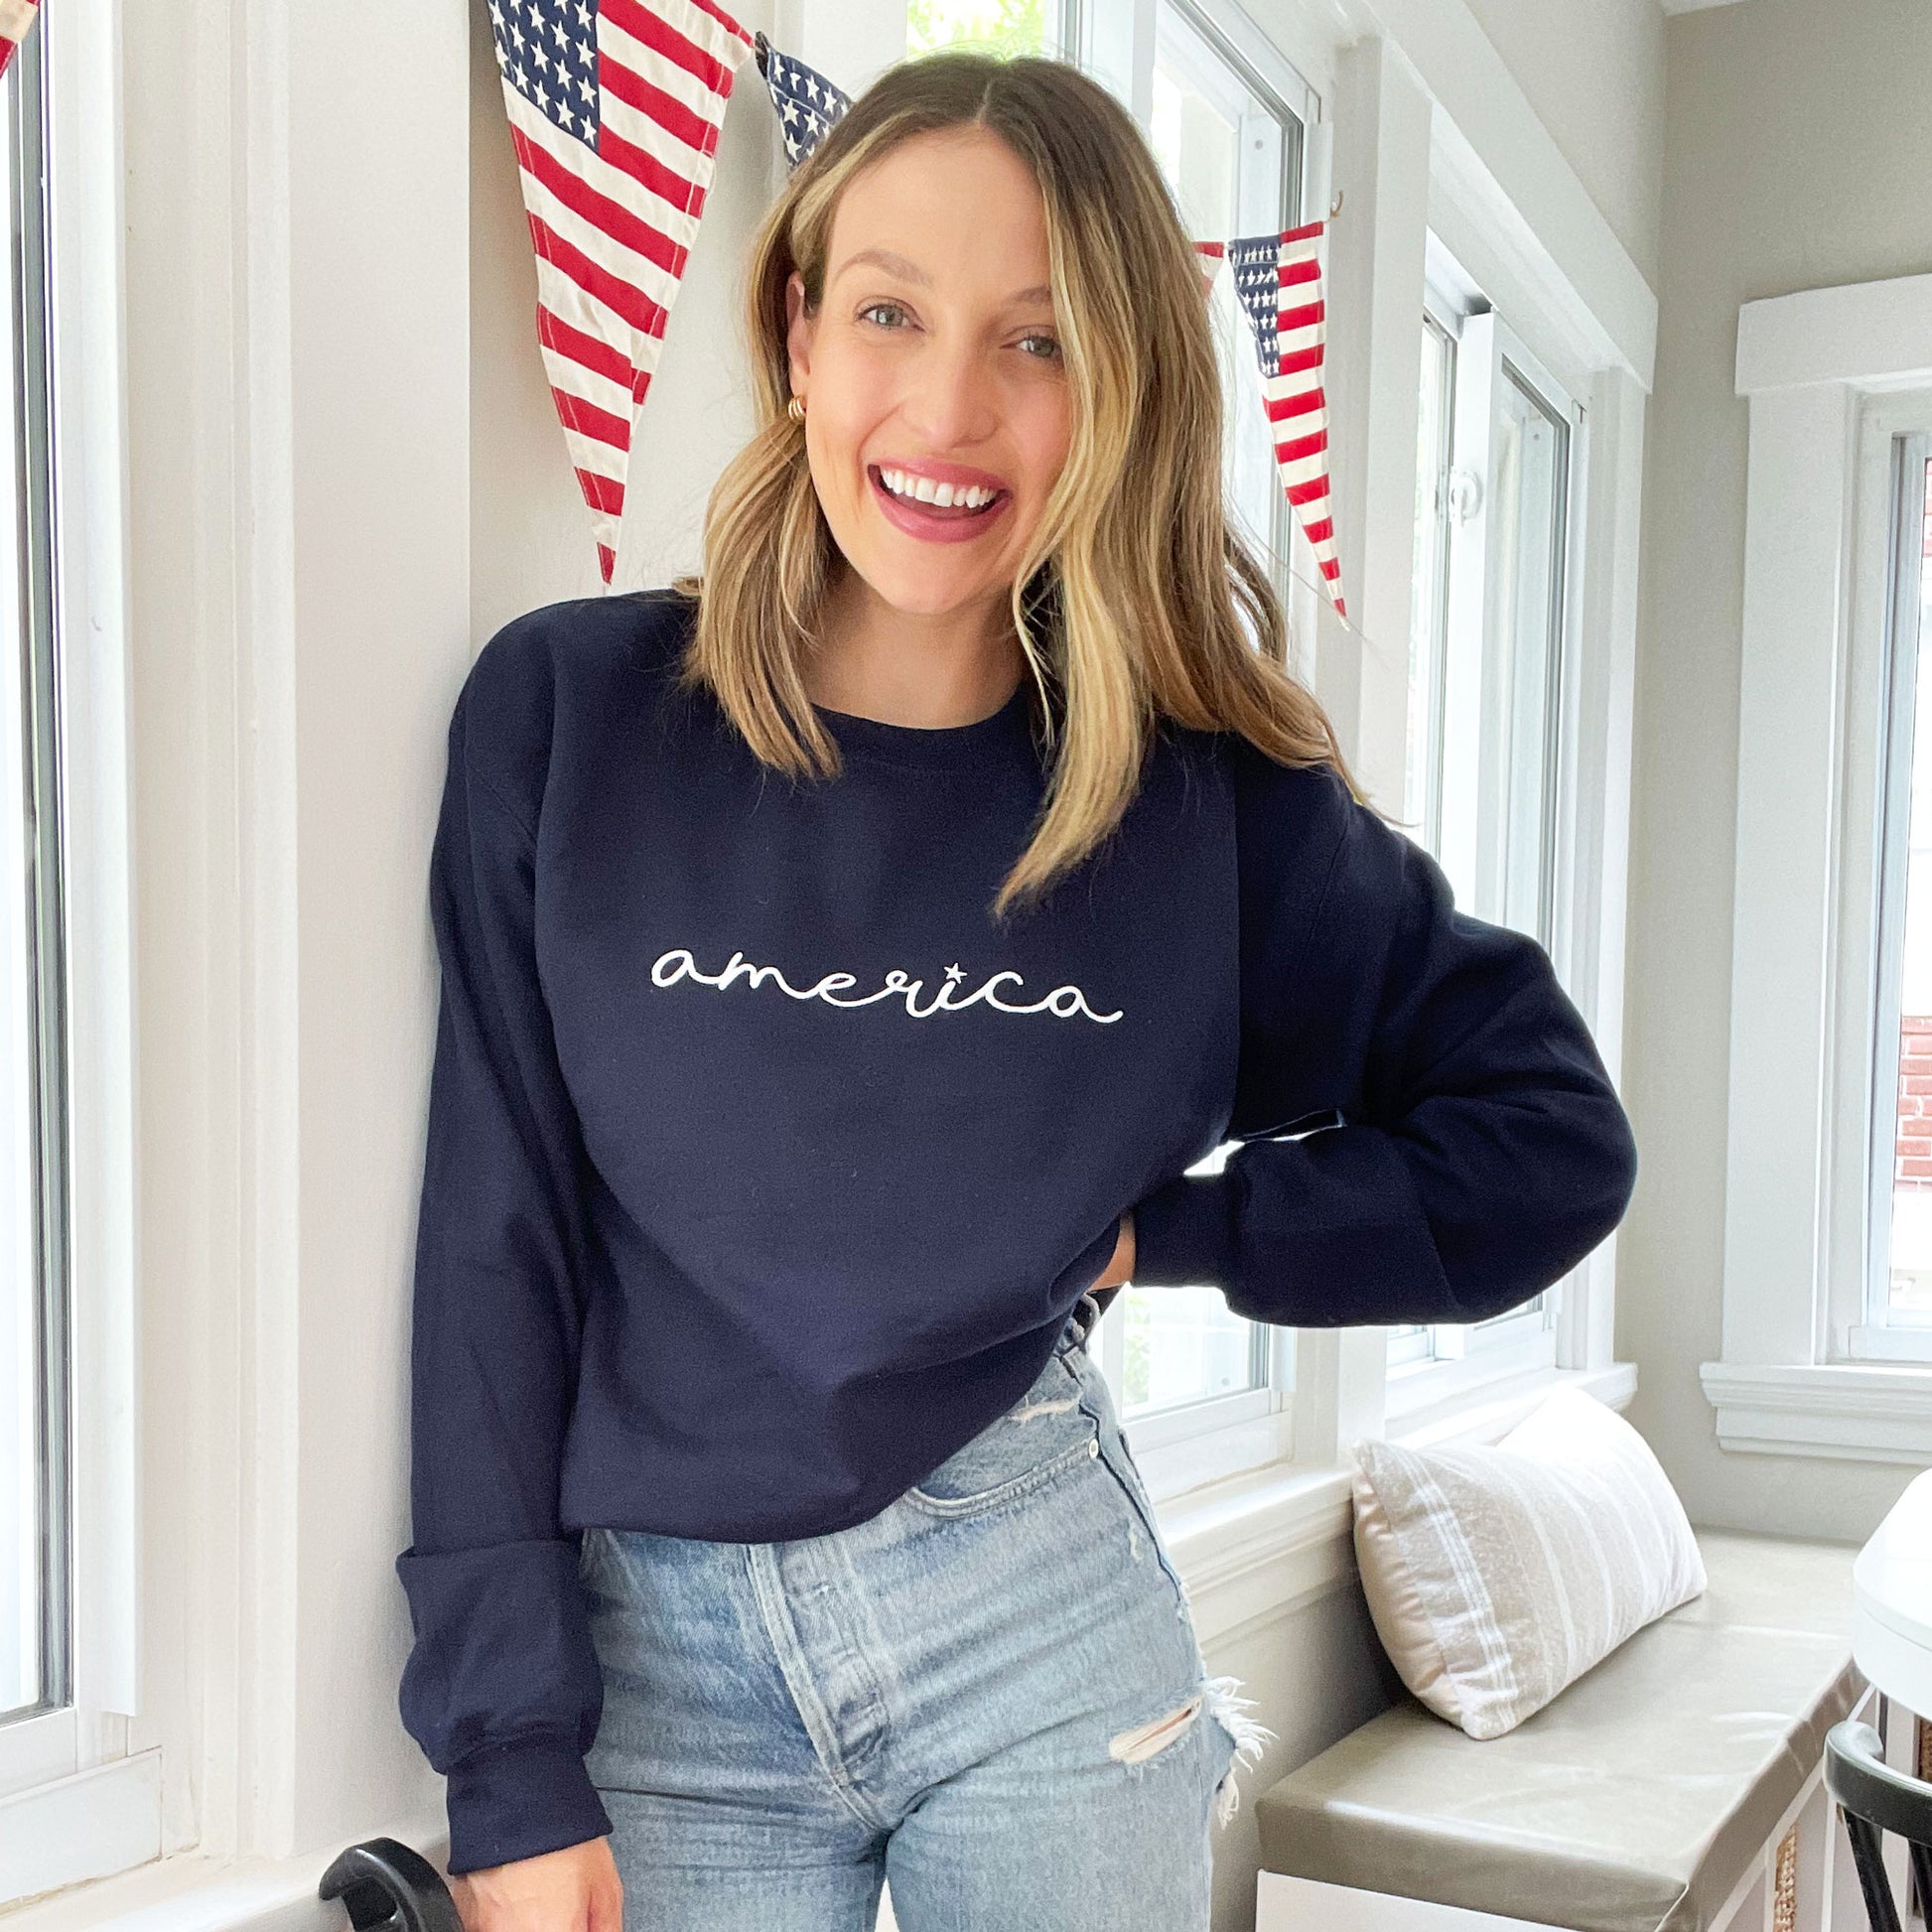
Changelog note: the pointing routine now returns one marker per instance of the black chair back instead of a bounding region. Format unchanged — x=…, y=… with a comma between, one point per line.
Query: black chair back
x=388, y=1887
x=1873, y=1797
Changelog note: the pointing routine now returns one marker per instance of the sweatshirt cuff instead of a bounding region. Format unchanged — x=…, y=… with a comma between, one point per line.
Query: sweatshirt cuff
x=517, y=1800
x=1183, y=1233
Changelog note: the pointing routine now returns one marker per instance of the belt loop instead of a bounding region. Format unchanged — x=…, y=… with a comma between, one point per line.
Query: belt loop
x=1086, y=1326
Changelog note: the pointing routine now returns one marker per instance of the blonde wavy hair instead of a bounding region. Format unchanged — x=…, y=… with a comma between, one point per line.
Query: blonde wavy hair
x=1128, y=604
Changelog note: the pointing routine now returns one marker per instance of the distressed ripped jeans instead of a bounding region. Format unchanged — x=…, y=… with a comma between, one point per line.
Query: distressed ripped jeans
x=990, y=1693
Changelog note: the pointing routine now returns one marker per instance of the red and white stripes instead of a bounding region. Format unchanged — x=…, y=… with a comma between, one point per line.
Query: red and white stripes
x=616, y=152
x=1211, y=254
x=1297, y=400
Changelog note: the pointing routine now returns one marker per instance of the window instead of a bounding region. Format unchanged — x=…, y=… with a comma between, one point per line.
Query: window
x=999, y=26
x=1824, y=1339
x=79, y=1802
x=1229, y=136
x=1489, y=613
x=1227, y=118
x=34, y=1638
x=1897, y=1298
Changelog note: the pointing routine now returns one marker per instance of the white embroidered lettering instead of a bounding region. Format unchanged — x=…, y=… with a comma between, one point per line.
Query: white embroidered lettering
x=1063, y=1003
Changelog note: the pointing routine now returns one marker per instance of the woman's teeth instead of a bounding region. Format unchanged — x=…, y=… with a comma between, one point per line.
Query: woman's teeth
x=936, y=496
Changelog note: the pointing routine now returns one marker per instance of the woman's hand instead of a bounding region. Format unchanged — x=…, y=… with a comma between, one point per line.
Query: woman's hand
x=1120, y=1266
x=575, y=1890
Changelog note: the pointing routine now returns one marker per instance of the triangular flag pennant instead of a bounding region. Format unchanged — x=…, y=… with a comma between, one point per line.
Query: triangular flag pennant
x=1208, y=257
x=615, y=108
x=806, y=101
x=17, y=18
x=1278, y=280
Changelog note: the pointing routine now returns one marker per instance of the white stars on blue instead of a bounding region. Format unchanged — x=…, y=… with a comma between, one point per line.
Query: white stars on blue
x=1257, y=266
x=806, y=101
x=547, y=50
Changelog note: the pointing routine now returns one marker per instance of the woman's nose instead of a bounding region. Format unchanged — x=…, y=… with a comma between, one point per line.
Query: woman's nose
x=952, y=399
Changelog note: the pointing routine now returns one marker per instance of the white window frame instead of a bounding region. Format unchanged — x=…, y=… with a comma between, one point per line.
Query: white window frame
x=1871, y=1330
x=1833, y=377
x=1441, y=1360
x=1189, y=1444
x=1592, y=363
x=79, y=1795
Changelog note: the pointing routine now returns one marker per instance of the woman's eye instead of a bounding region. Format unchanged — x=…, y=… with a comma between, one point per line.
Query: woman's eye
x=1052, y=352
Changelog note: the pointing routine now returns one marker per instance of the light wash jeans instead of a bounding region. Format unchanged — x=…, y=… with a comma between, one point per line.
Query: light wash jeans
x=991, y=1693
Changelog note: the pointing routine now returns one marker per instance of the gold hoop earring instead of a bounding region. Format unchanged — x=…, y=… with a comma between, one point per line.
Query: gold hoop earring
x=796, y=409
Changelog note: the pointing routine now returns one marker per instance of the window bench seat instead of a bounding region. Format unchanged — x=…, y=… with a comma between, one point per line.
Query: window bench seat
x=1675, y=1787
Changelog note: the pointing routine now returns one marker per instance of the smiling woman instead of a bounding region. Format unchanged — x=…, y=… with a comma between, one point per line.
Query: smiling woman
x=911, y=364
x=788, y=1303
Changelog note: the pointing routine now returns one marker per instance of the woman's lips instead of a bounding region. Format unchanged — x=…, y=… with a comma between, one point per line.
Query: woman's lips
x=933, y=524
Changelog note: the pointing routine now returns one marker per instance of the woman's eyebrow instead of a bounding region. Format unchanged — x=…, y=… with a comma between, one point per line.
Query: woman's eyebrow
x=908, y=270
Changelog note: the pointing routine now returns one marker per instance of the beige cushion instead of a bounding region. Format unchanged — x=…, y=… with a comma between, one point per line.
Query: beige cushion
x=1632, y=1803
x=1499, y=1573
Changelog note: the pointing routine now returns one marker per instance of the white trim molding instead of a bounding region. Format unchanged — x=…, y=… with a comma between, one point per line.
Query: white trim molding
x=94, y=1824
x=198, y=1892
x=1850, y=1411
x=1831, y=376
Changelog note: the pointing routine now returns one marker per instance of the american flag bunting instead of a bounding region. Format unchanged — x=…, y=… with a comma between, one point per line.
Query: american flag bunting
x=1278, y=280
x=17, y=18
x=807, y=104
x=614, y=108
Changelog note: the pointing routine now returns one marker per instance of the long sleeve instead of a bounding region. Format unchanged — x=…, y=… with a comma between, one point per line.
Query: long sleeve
x=503, y=1688
x=1475, y=1149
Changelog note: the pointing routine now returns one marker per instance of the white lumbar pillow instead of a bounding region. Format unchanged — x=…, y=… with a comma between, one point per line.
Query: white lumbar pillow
x=1497, y=1574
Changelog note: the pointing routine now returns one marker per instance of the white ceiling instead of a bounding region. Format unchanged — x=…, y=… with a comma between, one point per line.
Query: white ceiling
x=1695, y=6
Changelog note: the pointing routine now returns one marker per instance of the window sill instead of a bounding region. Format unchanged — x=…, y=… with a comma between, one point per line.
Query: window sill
x=1855, y=1412
x=193, y=1893
x=1499, y=1405
x=1419, y=1387
x=72, y=1833
x=1896, y=1341
x=1256, y=1547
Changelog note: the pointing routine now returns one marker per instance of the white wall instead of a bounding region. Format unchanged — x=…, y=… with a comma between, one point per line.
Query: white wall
x=1795, y=157
x=299, y=558
x=1594, y=71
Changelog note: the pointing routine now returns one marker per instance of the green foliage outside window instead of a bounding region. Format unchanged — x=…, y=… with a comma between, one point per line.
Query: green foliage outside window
x=1002, y=27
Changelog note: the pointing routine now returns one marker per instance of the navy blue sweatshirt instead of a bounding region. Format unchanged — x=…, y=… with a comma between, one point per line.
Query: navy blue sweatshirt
x=762, y=1169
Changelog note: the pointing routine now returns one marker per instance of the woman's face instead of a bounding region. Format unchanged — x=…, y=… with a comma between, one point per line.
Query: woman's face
x=935, y=364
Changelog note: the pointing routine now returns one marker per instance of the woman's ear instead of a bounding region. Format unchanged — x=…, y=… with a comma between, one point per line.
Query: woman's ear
x=798, y=331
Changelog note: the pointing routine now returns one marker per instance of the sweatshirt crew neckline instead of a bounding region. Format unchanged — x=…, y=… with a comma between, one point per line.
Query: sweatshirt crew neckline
x=935, y=746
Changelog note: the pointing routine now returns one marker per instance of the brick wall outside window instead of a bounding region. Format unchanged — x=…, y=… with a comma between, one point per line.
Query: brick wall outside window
x=1913, y=1164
